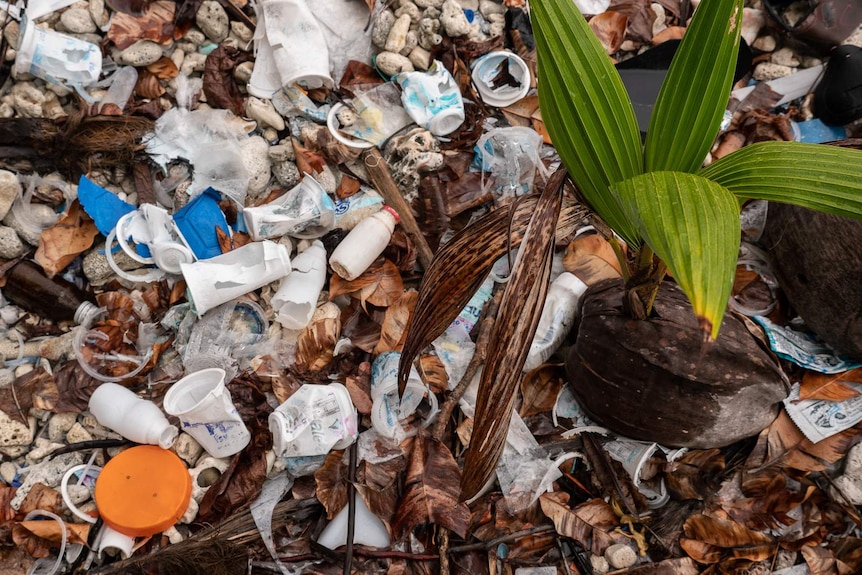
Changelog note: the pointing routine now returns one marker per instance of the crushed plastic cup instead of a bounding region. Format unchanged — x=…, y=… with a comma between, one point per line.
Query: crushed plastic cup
x=558, y=313
x=55, y=57
x=120, y=409
x=220, y=279
x=206, y=412
x=313, y=421
x=296, y=298
x=387, y=410
x=432, y=99
x=633, y=455
x=502, y=78
x=511, y=154
x=305, y=211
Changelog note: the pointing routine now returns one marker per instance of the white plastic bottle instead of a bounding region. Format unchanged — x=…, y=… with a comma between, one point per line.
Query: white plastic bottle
x=561, y=306
x=121, y=410
x=358, y=250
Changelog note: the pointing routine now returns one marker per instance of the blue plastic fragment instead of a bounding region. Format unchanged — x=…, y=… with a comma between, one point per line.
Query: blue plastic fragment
x=470, y=15
x=103, y=206
x=197, y=222
x=816, y=132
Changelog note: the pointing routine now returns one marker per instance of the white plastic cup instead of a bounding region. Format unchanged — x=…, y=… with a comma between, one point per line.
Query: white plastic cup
x=226, y=277
x=432, y=99
x=358, y=250
x=56, y=57
x=558, y=314
x=313, y=421
x=486, y=68
x=387, y=409
x=296, y=298
x=299, y=48
x=136, y=419
x=206, y=412
x=305, y=211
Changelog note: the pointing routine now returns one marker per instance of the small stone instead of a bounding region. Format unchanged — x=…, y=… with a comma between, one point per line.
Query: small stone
x=282, y=152
x=811, y=61
x=469, y=4
x=213, y=21
x=191, y=512
x=765, y=43
x=141, y=53
x=77, y=493
x=98, y=13
x=599, y=564
x=77, y=434
x=8, y=472
x=27, y=100
x=785, y=57
x=11, y=33
x=78, y=21
x=242, y=73
x=195, y=36
x=327, y=180
x=10, y=188
x=41, y=449
x=286, y=173
x=177, y=57
x=454, y=20
x=48, y=473
x=432, y=13
x=256, y=160
x=621, y=556
x=753, y=21
x=766, y=71
x=270, y=134
x=241, y=31
x=410, y=42
x=263, y=112
x=98, y=271
x=428, y=3
x=429, y=35
x=391, y=64
x=60, y=424
x=194, y=63
x=187, y=448
x=98, y=430
x=398, y=34
x=489, y=7
x=11, y=245
x=382, y=26
x=408, y=9
x=420, y=58
x=40, y=216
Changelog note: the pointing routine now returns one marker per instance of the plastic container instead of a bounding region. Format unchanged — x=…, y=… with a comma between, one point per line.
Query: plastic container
x=387, y=409
x=136, y=419
x=369, y=531
x=27, y=286
x=218, y=280
x=142, y=491
x=432, y=99
x=306, y=211
x=296, y=298
x=56, y=57
x=122, y=84
x=561, y=307
x=313, y=421
x=488, y=68
x=206, y=412
x=353, y=209
x=358, y=250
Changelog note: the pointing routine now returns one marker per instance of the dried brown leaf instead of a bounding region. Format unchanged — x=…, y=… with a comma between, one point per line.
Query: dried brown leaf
x=316, y=343
x=33, y=389
x=610, y=28
x=43, y=498
x=431, y=490
x=163, y=69
x=433, y=373
x=394, y=328
x=512, y=335
x=729, y=535
x=50, y=530
x=592, y=259
x=71, y=236
x=523, y=108
x=359, y=387
x=330, y=482
x=74, y=388
x=695, y=474
x=347, y=187
x=822, y=561
x=359, y=74
x=148, y=85
x=6, y=512
x=783, y=443
x=682, y=566
x=156, y=23
x=461, y=265
x=835, y=387
x=379, y=285
x=848, y=550
x=540, y=388
x=219, y=85
x=610, y=476
x=307, y=161
x=590, y=523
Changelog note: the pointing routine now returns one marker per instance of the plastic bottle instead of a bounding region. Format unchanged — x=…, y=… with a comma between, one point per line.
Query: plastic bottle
x=120, y=409
x=28, y=287
x=561, y=306
x=358, y=250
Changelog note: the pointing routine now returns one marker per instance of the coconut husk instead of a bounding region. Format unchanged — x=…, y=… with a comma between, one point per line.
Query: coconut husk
x=817, y=262
x=656, y=380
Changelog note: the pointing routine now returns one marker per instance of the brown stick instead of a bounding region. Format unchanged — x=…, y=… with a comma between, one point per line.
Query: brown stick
x=381, y=179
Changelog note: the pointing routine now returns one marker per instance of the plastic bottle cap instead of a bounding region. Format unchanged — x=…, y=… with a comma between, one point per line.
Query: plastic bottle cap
x=392, y=211
x=446, y=121
x=143, y=491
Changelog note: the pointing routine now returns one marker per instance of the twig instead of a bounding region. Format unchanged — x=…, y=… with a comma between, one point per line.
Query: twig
x=351, y=509
x=485, y=327
x=381, y=178
x=84, y=445
x=491, y=543
x=443, y=550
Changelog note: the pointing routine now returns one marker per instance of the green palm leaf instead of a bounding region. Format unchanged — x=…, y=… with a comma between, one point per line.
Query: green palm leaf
x=692, y=99
x=586, y=109
x=825, y=178
x=693, y=225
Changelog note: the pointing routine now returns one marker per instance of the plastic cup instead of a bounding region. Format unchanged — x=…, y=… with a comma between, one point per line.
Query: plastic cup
x=207, y=413
x=56, y=57
x=485, y=69
x=313, y=421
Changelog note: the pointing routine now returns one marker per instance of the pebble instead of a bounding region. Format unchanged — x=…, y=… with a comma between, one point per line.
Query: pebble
x=96, y=268
x=141, y=53
x=77, y=493
x=9, y=190
x=78, y=21
x=11, y=245
x=391, y=63
x=27, y=100
x=753, y=21
x=454, y=20
x=420, y=58
x=256, y=161
x=621, y=556
x=194, y=62
x=429, y=33
x=60, y=424
x=241, y=31
x=213, y=21
x=242, y=73
x=187, y=449
x=429, y=3
x=766, y=71
x=408, y=9
x=98, y=13
x=282, y=152
x=398, y=33
x=382, y=26
x=41, y=449
x=489, y=7
x=264, y=113
x=40, y=216
x=8, y=472
x=765, y=43
x=410, y=42
x=286, y=173
x=599, y=564
x=850, y=483
x=785, y=57
x=191, y=512
x=205, y=473
x=48, y=473
x=77, y=434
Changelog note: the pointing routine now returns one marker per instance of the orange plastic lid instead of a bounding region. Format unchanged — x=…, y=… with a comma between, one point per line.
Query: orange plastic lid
x=143, y=491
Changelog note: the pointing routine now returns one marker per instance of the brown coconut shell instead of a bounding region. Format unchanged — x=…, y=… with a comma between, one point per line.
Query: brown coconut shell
x=817, y=260
x=655, y=380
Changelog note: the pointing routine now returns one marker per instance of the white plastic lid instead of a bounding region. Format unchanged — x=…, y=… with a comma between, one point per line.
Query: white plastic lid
x=446, y=121
x=169, y=255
